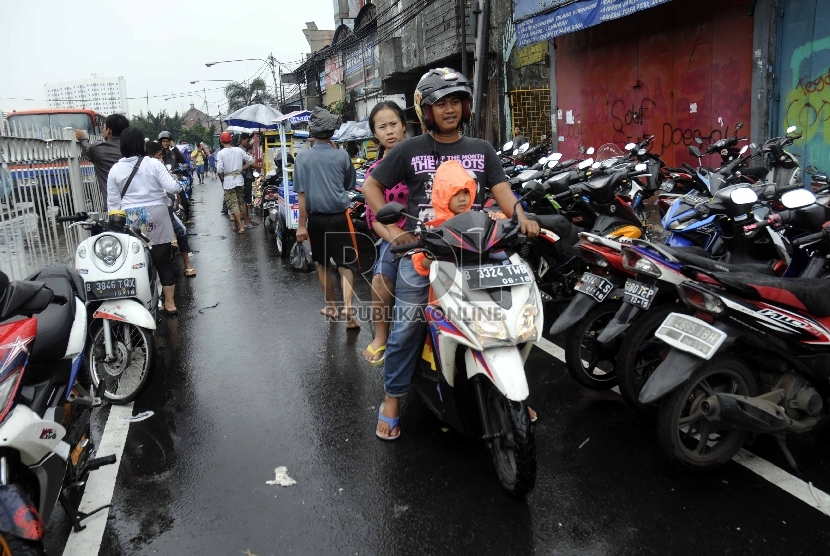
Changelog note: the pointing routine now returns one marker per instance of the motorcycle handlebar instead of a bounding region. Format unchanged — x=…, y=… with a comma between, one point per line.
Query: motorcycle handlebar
x=404, y=247
x=818, y=236
x=77, y=217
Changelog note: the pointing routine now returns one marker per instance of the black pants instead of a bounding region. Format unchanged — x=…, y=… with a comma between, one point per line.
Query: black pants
x=162, y=256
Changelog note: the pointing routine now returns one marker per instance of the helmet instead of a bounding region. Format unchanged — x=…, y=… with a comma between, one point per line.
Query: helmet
x=165, y=135
x=437, y=84
x=225, y=137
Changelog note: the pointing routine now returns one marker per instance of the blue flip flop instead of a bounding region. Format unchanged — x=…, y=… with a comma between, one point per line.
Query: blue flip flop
x=391, y=421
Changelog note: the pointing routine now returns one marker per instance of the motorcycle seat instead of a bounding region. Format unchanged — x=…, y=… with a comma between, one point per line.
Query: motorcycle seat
x=54, y=324
x=689, y=256
x=809, y=294
x=557, y=224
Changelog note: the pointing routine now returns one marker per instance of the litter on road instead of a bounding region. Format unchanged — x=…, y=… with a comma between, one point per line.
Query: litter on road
x=281, y=478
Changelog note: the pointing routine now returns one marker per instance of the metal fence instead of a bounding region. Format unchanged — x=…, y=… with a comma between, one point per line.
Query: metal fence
x=40, y=180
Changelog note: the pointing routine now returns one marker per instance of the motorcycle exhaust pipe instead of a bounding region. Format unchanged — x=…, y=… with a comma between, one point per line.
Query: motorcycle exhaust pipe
x=745, y=413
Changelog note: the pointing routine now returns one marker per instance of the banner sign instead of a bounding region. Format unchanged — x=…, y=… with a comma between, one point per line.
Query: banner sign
x=532, y=54
x=524, y=8
x=570, y=18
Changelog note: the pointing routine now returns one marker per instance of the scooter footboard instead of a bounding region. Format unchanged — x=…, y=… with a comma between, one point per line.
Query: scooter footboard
x=503, y=366
x=126, y=310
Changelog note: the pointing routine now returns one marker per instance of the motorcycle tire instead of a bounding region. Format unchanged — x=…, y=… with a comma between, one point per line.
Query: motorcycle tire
x=284, y=238
x=688, y=448
x=114, y=373
x=598, y=372
x=513, y=450
x=14, y=546
x=641, y=353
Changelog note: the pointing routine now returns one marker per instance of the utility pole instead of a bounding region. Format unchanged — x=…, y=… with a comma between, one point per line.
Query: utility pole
x=463, y=9
x=481, y=63
x=273, y=62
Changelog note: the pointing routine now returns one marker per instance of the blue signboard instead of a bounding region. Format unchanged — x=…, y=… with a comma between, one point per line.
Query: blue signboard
x=524, y=8
x=570, y=18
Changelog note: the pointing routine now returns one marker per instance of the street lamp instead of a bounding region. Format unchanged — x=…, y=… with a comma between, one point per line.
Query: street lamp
x=222, y=80
x=272, y=63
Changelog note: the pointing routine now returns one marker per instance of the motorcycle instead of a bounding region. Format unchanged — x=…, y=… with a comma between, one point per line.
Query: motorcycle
x=45, y=438
x=183, y=201
x=122, y=297
x=471, y=374
x=752, y=360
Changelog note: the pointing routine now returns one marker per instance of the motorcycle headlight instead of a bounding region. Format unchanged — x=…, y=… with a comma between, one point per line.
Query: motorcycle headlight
x=108, y=249
x=494, y=329
x=527, y=322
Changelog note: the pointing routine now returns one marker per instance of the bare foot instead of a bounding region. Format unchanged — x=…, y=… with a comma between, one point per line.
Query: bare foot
x=376, y=343
x=532, y=413
x=348, y=314
x=330, y=311
x=390, y=408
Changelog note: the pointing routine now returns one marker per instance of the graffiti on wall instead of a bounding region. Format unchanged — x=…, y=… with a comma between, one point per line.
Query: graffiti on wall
x=807, y=104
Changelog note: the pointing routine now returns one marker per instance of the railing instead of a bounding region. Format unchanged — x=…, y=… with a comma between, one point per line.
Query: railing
x=39, y=180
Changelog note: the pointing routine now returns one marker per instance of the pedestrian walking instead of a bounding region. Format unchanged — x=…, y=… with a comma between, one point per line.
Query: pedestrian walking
x=246, y=143
x=198, y=160
x=322, y=175
x=387, y=122
x=442, y=102
x=229, y=163
x=138, y=185
x=104, y=153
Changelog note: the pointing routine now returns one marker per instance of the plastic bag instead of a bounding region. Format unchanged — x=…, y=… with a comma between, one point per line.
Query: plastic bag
x=300, y=257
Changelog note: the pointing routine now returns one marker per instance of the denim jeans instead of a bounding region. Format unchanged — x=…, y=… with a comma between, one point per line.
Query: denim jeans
x=406, y=339
x=181, y=232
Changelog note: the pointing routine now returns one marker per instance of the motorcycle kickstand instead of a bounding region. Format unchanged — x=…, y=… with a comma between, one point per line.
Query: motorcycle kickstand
x=782, y=443
x=77, y=516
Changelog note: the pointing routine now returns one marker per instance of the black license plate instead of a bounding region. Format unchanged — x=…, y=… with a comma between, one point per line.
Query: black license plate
x=111, y=289
x=638, y=294
x=594, y=286
x=497, y=276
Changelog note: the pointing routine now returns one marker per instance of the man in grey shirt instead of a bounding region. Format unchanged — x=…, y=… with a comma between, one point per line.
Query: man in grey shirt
x=106, y=153
x=322, y=175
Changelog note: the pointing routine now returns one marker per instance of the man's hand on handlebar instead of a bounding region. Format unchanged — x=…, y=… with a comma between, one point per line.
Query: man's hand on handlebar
x=399, y=237
x=530, y=228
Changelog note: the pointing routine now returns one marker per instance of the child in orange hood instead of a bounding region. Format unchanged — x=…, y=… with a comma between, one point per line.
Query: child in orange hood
x=453, y=191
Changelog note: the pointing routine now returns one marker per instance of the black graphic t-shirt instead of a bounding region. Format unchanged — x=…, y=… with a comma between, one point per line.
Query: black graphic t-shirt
x=415, y=161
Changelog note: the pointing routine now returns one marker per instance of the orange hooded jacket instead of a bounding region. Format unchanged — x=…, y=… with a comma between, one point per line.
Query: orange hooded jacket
x=450, y=178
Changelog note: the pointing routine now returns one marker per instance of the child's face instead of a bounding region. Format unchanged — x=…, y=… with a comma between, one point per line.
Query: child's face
x=460, y=202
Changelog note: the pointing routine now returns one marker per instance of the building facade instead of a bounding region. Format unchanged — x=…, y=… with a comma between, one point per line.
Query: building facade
x=107, y=95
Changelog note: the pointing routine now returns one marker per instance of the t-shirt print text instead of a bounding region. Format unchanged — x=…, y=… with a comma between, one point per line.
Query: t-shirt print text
x=426, y=163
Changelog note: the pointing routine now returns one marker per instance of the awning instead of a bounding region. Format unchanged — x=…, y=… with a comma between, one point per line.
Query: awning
x=352, y=131
x=541, y=20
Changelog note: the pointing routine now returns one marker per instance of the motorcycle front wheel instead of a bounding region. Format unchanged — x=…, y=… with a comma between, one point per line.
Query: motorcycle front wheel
x=513, y=448
x=685, y=435
x=14, y=546
x=129, y=373
x=588, y=362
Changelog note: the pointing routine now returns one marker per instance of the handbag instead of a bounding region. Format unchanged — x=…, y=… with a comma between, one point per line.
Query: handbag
x=130, y=179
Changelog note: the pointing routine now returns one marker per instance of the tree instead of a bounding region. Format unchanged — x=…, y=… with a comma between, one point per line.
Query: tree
x=197, y=133
x=240, y=95
x=153, y=124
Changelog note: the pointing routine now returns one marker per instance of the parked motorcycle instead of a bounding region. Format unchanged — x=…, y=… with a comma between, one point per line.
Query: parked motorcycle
x=122, y=296
x=471, y=374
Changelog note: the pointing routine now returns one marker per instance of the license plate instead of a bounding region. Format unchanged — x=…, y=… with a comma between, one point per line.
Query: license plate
x=638, y=294
x=691, y=335
x=111, y=289
x=497, y=276
x=594, y=286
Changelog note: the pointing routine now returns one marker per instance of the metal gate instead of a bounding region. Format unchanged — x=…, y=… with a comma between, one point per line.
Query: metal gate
x=803, y=79
x=531, y=111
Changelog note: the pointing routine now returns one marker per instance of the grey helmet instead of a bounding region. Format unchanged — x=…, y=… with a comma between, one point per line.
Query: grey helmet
x=165, y=135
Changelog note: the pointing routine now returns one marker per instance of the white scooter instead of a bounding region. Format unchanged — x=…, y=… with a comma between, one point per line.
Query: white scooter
x=483, y=305
x=122, y=296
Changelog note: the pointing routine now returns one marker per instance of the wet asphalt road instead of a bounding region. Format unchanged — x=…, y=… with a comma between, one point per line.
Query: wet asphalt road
x=262, y=381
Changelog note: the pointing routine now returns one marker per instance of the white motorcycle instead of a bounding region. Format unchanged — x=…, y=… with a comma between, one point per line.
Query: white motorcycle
x=483, y=307
x=122, y=296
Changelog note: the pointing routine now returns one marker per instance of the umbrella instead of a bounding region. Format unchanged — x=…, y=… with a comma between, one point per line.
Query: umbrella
x=254, y=117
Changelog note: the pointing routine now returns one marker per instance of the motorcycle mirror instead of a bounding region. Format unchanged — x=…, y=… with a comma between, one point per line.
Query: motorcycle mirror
x=543, y=160
x=739, y=126
x=536, y=189
x=515, y=152
x=256, y=175
x=791, y=129
x=596, y=165
x=812, y=170
x=743, y=196
x=798, y=198
x=555, y=156
x=585, y=163
x=694, y=151
x=543, y=138
x=698, y=140
x=744, y=149
x=581, y=149
x=523, y=148
x=507, y=146
x=552, y=163
x=630, y=146
x=390, y=213
x=590, y=151
x=641, y=167
x=641, y=152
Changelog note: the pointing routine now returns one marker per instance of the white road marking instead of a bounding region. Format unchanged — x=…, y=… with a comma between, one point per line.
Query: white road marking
x=101, y=484
x=805, y=492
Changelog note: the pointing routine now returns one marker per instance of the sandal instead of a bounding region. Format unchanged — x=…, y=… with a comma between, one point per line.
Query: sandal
x=240, y=231
x=164, y=311
x=372, y=351
x=392, y=422
x=190, y=272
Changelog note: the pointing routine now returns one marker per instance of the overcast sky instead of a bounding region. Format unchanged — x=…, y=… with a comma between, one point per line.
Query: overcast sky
x=159, y=47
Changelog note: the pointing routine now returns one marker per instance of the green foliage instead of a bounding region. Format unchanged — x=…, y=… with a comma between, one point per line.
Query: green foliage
x=336, y=107
x=153, y=124
x=240, y=95
x=197, y=133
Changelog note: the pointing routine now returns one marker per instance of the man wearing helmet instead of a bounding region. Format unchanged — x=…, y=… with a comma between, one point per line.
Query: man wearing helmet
x=170, y=154
x=442, y=102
